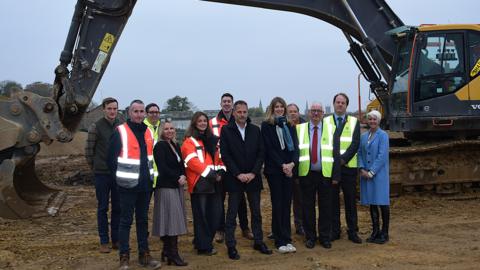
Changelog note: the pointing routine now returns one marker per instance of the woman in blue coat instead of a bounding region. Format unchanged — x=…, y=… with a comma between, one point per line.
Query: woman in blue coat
x=374, y=176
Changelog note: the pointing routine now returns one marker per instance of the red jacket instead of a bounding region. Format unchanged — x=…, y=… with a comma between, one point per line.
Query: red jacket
x=198, y=162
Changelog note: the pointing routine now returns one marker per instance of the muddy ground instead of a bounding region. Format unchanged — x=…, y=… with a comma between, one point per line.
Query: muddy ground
x=427, y=232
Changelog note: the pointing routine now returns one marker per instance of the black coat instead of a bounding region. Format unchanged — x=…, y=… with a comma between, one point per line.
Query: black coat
x=241, y=156
x=274, y=155
x=168, y=166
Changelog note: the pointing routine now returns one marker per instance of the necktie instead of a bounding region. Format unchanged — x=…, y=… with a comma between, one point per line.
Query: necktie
x=339, y=122
x=315, y=145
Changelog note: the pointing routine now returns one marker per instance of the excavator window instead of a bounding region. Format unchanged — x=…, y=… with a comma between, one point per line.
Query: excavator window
x=440, y=68
x=400, y=70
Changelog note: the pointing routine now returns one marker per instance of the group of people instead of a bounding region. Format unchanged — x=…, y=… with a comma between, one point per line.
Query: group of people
x=307, y=161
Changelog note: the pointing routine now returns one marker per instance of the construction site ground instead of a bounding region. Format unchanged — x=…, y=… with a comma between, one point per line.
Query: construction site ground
x=427, y=232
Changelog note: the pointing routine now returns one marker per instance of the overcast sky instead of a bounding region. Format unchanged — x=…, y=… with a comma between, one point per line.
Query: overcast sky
x=202, y=49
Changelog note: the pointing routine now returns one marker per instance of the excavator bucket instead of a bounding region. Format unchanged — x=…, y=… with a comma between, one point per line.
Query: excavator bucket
x=23, y=195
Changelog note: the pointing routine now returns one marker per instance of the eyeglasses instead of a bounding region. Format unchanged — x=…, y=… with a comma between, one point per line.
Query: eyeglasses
x=153, y=112
x=316, y=111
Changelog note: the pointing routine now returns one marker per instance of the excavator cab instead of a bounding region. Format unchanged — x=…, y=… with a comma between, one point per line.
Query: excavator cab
x=434, y=83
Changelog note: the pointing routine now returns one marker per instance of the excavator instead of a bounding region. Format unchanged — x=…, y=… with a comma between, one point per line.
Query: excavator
x=425, y=78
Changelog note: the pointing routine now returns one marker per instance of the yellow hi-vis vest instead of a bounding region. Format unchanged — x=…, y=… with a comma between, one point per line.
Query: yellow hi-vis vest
x=346, y=137
x=155, y=133
x=304, y=148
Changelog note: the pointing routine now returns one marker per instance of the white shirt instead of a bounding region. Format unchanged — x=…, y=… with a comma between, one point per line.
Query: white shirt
x=242, y=130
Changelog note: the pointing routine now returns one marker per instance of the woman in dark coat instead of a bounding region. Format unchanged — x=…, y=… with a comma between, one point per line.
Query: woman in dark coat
x=169, y=219
x=281, y=159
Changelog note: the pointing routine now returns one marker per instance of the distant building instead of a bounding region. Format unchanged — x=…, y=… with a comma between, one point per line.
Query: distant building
x=180, y=120
x=328, y=109
x=211, y=113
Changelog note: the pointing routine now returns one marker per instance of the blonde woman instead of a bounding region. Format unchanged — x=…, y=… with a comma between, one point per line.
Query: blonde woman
x=281, y=158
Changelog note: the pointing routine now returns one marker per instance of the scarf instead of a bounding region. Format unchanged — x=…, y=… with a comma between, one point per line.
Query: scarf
x=284, y=136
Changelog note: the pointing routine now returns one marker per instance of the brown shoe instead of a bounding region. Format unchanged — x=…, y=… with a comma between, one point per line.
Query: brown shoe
x=145, y=260
x=219, y=236
x=104, y=248
x=115, y=245
x=247, y=234
x=124, y=262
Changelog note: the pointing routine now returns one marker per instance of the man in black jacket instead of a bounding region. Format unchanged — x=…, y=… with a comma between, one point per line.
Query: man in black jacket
x=130, y=160
x=345, y=169
x=242, y=152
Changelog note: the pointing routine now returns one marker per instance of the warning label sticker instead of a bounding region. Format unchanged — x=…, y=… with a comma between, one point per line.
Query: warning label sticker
x=475, y=69
x=107, y=42
x=97, y=65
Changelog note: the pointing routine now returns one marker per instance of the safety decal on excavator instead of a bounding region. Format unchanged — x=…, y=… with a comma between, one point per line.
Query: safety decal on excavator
x=475, y=69
x=107, y=42
x=97, y=65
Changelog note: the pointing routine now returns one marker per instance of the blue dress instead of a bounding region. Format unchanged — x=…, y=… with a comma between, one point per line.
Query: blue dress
x=373, y=156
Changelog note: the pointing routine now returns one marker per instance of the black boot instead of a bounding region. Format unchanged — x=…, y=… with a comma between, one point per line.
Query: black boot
x=383, y=235
x=172, y=254
x=375, y=223
x=165, y=248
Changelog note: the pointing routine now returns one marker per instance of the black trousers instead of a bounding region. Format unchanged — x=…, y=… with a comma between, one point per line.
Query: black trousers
x=313, y=185
x=234, y=201
x=242, y=213
x=281, y=196
x=348, y=184
x=297, y=204
x=206, y=210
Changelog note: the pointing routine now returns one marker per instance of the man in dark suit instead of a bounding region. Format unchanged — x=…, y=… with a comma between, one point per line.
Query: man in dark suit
x=346, y=140
x=242, y=152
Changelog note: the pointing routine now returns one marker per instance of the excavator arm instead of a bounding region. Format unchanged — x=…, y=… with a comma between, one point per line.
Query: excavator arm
x=367, y=21
x=44, y=114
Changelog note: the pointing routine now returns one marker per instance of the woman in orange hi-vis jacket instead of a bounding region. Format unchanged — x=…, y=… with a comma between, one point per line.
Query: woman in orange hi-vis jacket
x=204, y=170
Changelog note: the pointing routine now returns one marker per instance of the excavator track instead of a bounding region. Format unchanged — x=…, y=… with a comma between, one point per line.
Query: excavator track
x=448, y=167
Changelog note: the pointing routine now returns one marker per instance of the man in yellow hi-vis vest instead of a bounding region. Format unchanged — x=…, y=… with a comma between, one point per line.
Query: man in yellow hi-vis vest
x=153, y=123
x=312, y=181
x=342, y=144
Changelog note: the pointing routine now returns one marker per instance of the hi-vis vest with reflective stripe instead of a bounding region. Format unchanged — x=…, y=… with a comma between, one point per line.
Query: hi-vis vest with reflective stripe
x=155, y=132
x=216, y=127
x=328, y=130
x=197, y=162
x=304, y=148
x=128, y=168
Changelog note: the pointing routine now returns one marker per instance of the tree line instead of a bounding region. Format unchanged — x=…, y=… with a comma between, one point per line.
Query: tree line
x=176, y=103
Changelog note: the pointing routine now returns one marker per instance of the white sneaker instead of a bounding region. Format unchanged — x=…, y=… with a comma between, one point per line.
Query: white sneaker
x=283, y=249
x=291, y=248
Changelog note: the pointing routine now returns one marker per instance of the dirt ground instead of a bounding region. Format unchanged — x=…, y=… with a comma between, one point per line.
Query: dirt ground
x=427, y=232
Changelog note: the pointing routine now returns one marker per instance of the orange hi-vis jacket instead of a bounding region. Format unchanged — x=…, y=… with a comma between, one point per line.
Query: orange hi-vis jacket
x=198, y=162
x=216, y=123
x=128, y=168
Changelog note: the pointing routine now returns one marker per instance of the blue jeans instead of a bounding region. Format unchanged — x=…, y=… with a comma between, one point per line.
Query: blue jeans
x=106, y=190
x=134, y=202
